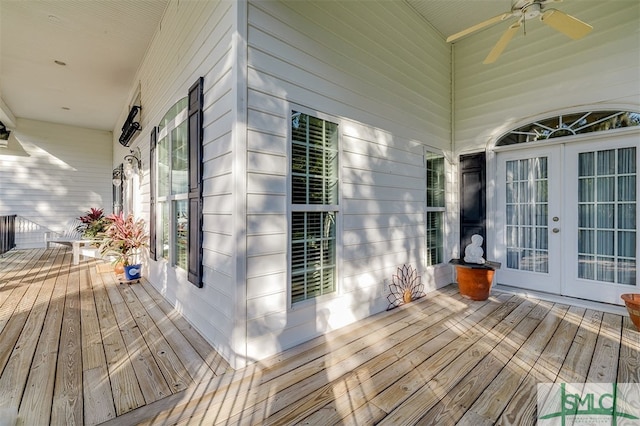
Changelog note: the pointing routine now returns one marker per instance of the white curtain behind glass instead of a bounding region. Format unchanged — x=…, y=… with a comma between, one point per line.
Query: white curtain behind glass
x=607, y=215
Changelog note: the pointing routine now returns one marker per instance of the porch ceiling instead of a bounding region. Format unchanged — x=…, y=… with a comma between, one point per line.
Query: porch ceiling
x=103, y=42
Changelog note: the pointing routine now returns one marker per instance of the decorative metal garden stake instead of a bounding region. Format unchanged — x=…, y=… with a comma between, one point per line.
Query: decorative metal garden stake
x=406, y=286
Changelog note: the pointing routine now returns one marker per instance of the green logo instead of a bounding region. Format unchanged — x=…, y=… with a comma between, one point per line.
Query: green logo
x=588, y=403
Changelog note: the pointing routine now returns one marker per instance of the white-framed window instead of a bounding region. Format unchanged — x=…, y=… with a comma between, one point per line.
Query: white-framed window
x=172, y=188
x=435, y=207
x=314, y=205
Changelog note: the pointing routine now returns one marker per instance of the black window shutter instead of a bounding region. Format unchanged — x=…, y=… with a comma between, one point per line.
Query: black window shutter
x=473, y=214
x=152, y=191
x=195, y=183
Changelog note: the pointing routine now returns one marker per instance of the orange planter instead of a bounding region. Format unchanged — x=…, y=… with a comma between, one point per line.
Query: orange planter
x=632, y=300
x=475, y=283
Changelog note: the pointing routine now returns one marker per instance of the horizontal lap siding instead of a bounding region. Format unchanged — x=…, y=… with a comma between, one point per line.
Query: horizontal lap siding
x=193, y=40
x=384, y=75
x=545, y=71
x=48, y=181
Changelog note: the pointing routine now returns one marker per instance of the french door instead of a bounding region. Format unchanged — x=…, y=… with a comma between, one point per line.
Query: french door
x=601, y=196
x=529, y=219
x=567, y=218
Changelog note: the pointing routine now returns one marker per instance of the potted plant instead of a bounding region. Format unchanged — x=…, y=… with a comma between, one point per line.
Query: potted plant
x=92, y=223
x=123, y=239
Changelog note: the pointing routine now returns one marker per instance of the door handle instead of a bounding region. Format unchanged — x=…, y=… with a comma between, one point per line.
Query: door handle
x=556, y=218
x=556, y=230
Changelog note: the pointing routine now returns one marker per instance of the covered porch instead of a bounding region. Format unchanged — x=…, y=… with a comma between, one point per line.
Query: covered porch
x=77, y=347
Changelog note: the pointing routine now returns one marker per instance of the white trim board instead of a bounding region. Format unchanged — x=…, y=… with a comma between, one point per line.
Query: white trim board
x=588, y=304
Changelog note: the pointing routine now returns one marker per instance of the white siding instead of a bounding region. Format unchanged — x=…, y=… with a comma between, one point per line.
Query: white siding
x=384, y=75
x=545, y=72
x=50, y=174
x=196, y=38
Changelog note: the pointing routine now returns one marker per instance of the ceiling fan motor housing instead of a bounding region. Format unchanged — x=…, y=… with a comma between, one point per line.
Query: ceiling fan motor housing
x=532, y=11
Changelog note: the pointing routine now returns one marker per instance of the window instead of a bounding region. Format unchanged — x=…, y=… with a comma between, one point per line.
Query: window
x=172, y=188
x=175, y=196
x=314, y=206
x=435, y=208
x=570, y=124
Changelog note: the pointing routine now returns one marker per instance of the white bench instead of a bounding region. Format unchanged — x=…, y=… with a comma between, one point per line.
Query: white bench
x=73, y=238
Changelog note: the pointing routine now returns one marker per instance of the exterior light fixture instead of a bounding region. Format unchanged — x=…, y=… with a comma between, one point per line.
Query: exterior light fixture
x=132, y=163
x=130, y=126
x=117, y=176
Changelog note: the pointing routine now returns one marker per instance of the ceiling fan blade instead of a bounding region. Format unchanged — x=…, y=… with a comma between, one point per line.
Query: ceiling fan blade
x=502, y=43
x=479, y=26
x=568, y=25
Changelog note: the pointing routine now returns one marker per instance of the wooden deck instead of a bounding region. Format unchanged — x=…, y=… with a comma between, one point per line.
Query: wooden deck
x=97, y=353
x=76, y=347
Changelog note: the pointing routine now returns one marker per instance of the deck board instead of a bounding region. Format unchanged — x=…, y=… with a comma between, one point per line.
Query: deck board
x=77, y=347
x=38, y=394
x=67, y=401
x=16, y=359
x=152, y=383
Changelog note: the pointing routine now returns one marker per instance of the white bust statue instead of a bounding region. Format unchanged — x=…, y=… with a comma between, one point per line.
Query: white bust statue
x=473, y=252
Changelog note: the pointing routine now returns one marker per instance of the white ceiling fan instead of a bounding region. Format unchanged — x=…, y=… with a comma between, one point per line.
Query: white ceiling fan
x=525, y=10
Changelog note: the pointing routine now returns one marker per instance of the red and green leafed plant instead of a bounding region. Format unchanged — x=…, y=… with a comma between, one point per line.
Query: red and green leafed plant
x=123, y=238
x=93, y=223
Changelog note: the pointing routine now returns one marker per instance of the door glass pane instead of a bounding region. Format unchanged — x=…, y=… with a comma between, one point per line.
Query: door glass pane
x=607, y=189
x=527, y=233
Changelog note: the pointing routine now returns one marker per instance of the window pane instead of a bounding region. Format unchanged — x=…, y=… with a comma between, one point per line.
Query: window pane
x=604, y=242
x=586, y=164
x=585, y=190
x=627, y=160
x=627, y=216
x=627, y=271
x=435, y=180
x=587, y=267
x=606, y=162
x=435, y=238
x=586, y=241
x=627, y=188
x=605, y=269
x=181, y=237
x=605, y=217
x=314, y=160
x=179, y=160
x=163, y=169
x=313, y=254
x=627, y=244
x=165, y=225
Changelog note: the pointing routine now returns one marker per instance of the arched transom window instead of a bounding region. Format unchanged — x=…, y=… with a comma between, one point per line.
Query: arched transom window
x=570, y=124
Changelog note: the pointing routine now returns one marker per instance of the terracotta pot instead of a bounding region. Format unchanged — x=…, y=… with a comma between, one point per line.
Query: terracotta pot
x=632, y=300
x=118, y=268
x=475, y=283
